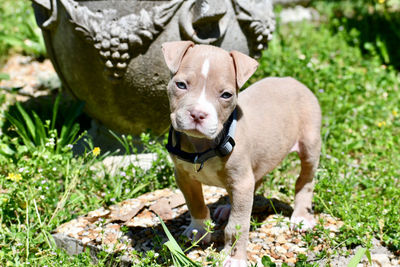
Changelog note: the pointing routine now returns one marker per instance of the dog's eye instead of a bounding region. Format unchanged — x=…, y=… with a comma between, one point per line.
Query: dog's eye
x=226, y=95
x=181, y=85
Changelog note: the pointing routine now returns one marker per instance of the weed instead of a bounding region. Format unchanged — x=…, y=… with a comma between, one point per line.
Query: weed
x=37, y=135
x=178, y=256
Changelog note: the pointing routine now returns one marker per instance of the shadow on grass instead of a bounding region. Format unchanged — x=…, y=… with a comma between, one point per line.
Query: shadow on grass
x=378, y=31
x=43, y=106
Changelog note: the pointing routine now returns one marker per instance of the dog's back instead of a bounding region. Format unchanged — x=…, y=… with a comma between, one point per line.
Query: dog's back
x=280, y=115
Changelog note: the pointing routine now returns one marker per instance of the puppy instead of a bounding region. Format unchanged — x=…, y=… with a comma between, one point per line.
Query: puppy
x=224, y=138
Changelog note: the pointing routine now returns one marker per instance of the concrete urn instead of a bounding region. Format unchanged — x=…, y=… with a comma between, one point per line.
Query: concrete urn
x=108, y=53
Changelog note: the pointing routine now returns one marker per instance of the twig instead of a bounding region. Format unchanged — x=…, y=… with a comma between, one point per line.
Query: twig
x=64, y=198
x=41, y=224
x=18, y=92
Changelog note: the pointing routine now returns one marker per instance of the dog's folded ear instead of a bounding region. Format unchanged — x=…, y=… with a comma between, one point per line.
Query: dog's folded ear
x=174, y=52
x=245, y=66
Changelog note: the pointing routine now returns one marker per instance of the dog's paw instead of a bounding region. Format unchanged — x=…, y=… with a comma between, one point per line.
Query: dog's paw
x=302, y=224
x=221, y=214
x=196, y=230
x=231, y=262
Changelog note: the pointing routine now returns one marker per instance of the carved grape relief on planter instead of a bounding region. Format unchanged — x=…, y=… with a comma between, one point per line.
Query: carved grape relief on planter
x=118, y=39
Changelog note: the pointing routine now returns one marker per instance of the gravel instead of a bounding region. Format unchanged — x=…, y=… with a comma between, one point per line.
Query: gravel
x=104, y=229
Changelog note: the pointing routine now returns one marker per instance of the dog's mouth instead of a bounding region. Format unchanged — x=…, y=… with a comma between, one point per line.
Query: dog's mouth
x=198, y=130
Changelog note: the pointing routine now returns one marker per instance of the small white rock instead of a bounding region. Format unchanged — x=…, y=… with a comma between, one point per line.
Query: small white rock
x=85, y=240
x=280, y=250
x=381, y=260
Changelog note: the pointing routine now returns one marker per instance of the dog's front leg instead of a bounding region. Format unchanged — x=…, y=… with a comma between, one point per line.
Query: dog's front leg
x=199, y=212
x=240, y=189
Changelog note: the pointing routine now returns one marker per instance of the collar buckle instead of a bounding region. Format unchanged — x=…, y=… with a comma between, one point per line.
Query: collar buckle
x=225, y=147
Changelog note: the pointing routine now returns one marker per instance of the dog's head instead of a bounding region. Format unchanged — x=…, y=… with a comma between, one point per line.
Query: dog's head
x=204, y=86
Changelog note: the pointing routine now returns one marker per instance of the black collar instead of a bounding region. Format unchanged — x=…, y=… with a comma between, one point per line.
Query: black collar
x=224, y=147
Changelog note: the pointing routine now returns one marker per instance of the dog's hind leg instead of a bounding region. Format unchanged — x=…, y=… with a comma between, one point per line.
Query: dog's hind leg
x=309, y=152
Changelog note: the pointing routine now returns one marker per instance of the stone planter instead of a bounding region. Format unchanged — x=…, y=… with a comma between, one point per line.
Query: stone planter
x=108, y=53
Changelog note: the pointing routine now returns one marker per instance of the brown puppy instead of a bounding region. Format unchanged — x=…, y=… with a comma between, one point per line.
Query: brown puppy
x=275, y=116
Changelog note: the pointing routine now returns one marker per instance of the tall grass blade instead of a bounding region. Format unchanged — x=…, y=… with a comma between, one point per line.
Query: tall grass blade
x=357, y=257
x=122, y=141
x=178, y=257
x=20, y=129
x=55, y=111
x=67, y=136
x=138, y=188
x=368, y=254
x=73, y=114
x=72, y=134
x=70, y=128
x=40, y=130
x=28, y=121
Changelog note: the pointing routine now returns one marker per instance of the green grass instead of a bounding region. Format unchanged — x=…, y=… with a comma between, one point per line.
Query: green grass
x=18, y=30
x=43, y=185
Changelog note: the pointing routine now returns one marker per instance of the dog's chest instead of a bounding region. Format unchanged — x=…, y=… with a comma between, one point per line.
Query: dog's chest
x=210, y=174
